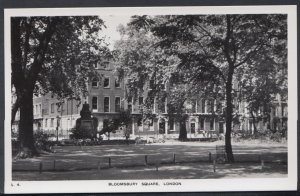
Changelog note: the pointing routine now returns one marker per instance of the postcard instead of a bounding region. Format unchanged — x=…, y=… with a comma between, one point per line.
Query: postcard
x=151, y=99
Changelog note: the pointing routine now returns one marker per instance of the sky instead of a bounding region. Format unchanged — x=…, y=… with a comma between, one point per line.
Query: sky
x=111, y=22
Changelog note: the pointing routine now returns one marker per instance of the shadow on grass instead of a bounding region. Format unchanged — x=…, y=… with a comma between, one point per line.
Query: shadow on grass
x=89, y=157
x=177, y=171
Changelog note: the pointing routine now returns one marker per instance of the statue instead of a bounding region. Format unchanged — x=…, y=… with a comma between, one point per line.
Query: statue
x=86, y=125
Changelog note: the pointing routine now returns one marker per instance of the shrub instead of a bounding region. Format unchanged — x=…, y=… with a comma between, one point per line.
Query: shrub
x=277, y=136
x=262, y=135
x=81, y=134
x=42, y=141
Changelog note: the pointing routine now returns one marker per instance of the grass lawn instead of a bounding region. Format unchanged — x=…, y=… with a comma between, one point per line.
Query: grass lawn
x=128, y=162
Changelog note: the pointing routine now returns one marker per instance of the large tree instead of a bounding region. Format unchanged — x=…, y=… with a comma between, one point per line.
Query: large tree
x=259, y=86
x=146, y=69
x=212, y=48
x=51, y=54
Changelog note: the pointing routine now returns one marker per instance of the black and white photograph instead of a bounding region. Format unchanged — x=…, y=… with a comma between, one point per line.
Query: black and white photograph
x=151, y=99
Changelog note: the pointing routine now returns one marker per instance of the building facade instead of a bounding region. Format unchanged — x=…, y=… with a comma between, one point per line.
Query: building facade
x=107, y=97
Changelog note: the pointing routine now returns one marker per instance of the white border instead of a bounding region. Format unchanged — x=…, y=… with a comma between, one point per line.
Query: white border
x=275, y=184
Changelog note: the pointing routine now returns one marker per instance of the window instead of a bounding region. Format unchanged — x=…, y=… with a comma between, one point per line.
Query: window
x=201, y=124
x=52, y=122
x=151, y=123
x=130, y=104
x=284, y=111
x=117, y=104
x=106, y=82
x=139, y=122
x=193, y=127
x=171, y=123
x=105, y=65
x=95, y=103
x=117, y=82
x=40, y=108
x=194, y=103
x=141, y=102
x=212, y=123
x=203, y=105
x=276, y=111
x=52, y=107
x=162, y=105
x=210, y=106
x=208, y=110
x=106, y=104
x=151, y=84
x=95, y=82
x=58, y=107
x=46, y=122
x=191, y=106
x=221, y=128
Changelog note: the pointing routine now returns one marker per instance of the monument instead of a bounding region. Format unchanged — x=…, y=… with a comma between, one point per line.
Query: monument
x=86, y=125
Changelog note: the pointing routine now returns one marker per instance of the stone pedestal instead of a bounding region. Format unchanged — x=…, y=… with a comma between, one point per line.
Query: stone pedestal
x=86, y=123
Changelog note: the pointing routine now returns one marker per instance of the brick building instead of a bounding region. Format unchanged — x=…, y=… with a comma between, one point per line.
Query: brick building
x=107, y=97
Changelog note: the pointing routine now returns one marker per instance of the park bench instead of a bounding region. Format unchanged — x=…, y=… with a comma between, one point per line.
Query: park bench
x=220, y=154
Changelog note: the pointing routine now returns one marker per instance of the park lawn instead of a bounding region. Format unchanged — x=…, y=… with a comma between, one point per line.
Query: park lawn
x=175, y=171
x=69, y=161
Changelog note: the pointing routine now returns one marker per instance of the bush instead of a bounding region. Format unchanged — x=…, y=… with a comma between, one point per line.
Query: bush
x=42, y=141
x=277, y=136
x=262, y=135
x=81, y=134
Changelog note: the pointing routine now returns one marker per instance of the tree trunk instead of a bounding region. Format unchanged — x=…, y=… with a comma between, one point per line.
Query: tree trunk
x=15, y=110
x=182, y=131
x=229, y=110
x=27, y=148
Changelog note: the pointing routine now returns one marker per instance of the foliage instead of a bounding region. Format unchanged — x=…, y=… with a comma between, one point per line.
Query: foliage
x=202, y=49
x=51, y=54
x=73, y=47
x=109, y=127
x=145, y=66
x=123, y=120
x=262, y=83
x=267, y=135
x=81, y=134
x=42, y=141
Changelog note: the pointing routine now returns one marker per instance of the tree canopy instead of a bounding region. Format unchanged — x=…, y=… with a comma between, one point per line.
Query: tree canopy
x=52, y=54
x=203, y=51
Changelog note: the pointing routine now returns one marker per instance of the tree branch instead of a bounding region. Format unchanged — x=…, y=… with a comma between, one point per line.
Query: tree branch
x=16, y=54
x=41, y=50
x=257, y=48
x=203, y=29
x=26, y=41
x=226, y=41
